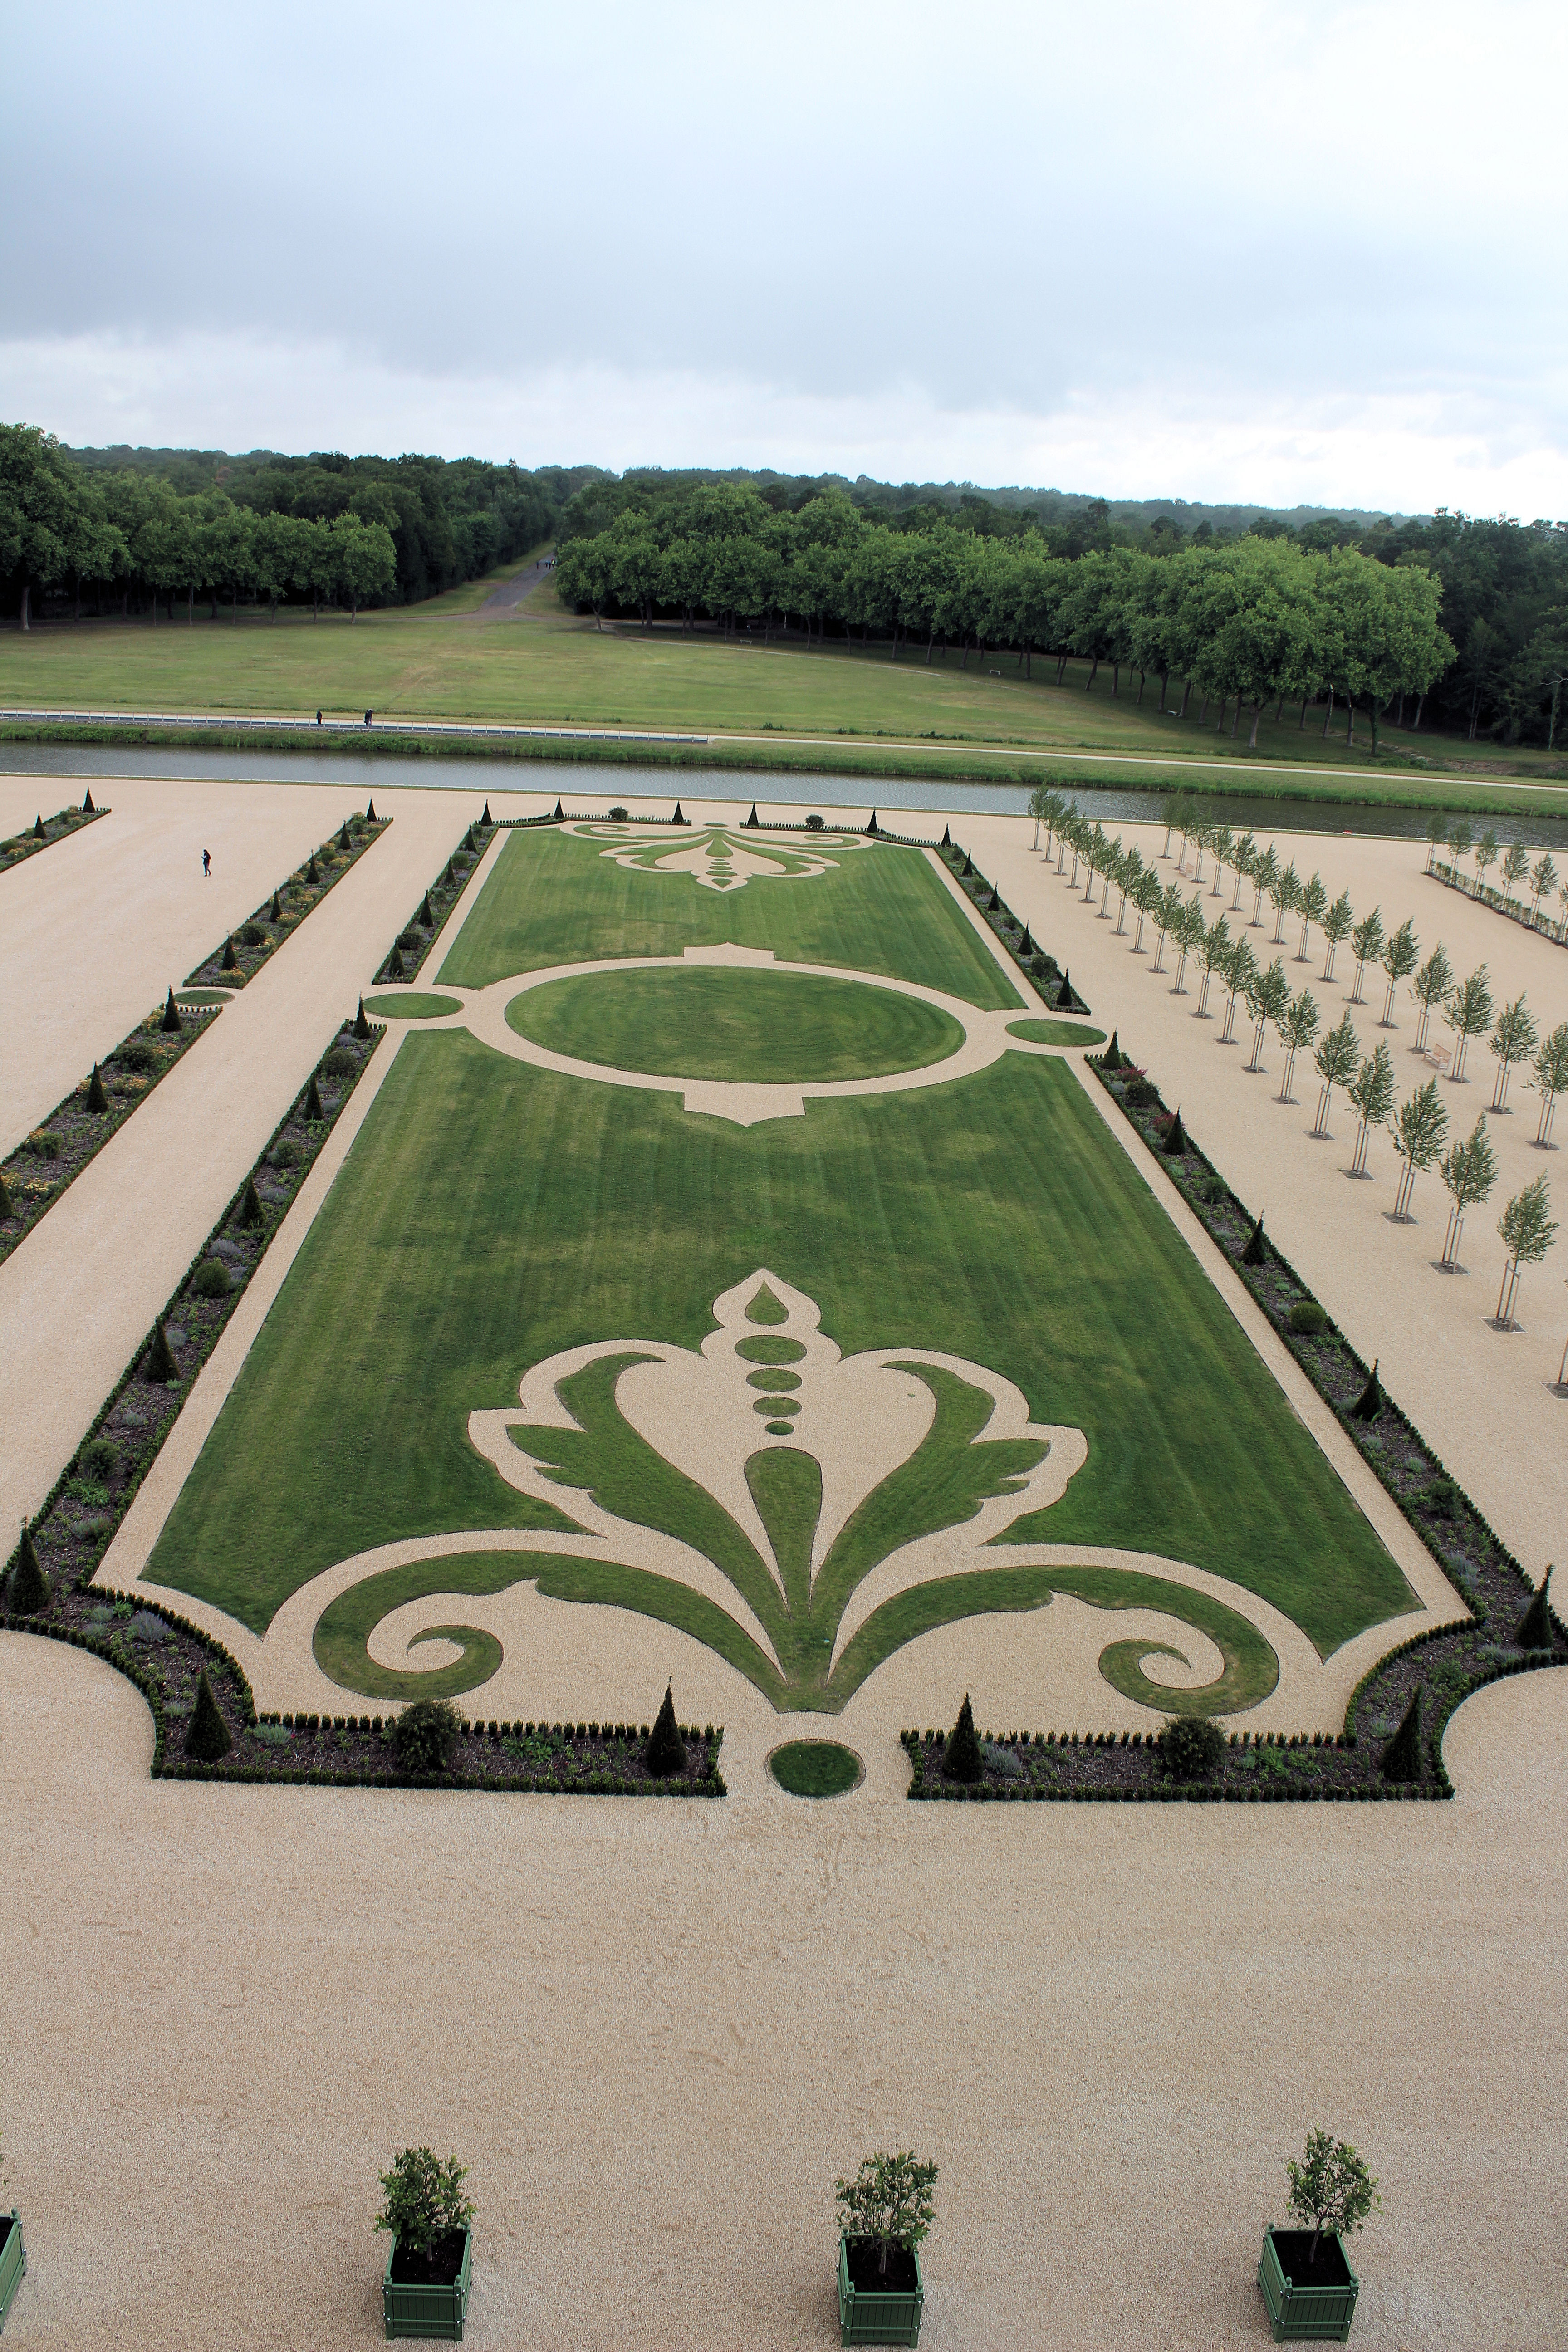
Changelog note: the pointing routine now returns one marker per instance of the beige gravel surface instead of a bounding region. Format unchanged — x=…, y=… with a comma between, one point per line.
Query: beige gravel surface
x=81, y=1293
x=1484, y=1398
x=657, y=2031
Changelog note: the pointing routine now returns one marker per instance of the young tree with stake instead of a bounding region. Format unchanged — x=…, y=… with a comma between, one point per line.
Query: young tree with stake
x=1296, y=1030
x=1399, y=959
x=1371, y=1099
x=1222, y=847
x=1189, y=932
x=1167, y=916
x=1459, y=840
x=1148, y=897
x=1485, y=854
x=1549, y=1074
x=1526, y=1229
x=1213, y=950
x=1264, y=876
x=1542, y=882
x=890, y=2201
x=1436, y=828
x=1332, y=2191
x=1431, y=984
x=1237, y=972
x=1336, y=926
x=1469, y=1013
x=1314, y=907
x=1338, y=1058
x=1512, y=1039
x=1469, y=1170
x=1243, y=859
x=1284, y=896
x=1366, y=946
x=1515, y=866
x=1127, y=873
x=1268, y=994
x=1419, y=1131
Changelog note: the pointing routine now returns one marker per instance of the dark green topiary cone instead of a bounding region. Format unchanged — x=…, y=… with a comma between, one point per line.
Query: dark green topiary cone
x=677, y=818
x=343, y=841
x=276, y=913
x=1402, y=1757
x=947, y=836
x=451, y=875
x=1065, y=995
x=362, y=1027
x=1175, y=1144
x=250, y=1206
x=666, y=1753
x=427, y=919
x=487, y=818
x=206, y=1735
x=1112, y=1058
x=171, y=1024
x=313, y=872
x=370, y=814
x=1257, y=1250
x=38, y=833
x=87, y=807
x=968, y=867
x=96, y=1097
x=1535, y=1625
x=29, y=1586
x=559, y=811
x=395, y=967
x=994, y=904
x=1026, y=945
x=158, y=1365
x=314, y=1099
x=961, y=1758
x=1369, y=1404
x=873, y=826
x=229, y=959
x=751, y=821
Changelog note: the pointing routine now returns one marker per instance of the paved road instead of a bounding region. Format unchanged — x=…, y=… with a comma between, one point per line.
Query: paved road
x=512, y=592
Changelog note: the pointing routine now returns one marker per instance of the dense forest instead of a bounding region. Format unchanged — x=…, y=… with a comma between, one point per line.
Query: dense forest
x=136, y=530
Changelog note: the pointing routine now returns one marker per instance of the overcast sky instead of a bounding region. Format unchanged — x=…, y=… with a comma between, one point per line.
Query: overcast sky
x=1214, y=251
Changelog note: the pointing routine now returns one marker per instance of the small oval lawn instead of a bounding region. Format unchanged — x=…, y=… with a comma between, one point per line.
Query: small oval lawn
x=1056, y=1032
x=814, y=1768
x=411, y=1004
x=776, y=1028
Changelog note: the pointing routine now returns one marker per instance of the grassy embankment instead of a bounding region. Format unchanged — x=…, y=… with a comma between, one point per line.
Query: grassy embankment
x=491, y=1213
x=838, y=709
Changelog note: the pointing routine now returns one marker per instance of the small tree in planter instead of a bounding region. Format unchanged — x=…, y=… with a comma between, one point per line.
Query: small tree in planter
x=883, y=2215
x=1307, y=2284
x=425, y=2290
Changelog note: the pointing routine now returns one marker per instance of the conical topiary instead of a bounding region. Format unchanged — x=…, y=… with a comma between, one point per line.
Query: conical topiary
x=469, y=843
x=171, y=1024
x=1369, y=1404
x=158, y=1365
x=1535, y=1625
x=1112, y=1056
x=677, y=818
x=38, y=833
x=487, y=818
x=96, y=1097
x=343, y=841
x=947, y=836
x=560, y=812
x=276, y=913
x=873, y=826
x=369, y=816
x=362, y=1027
x=666, y=1752
x=1175, y=1144
x=451, y=875
x=1257, y=1250
x=206, y=1735
x=250, y=1204
x=1065, y=996
x=29, y=1585
x=87, y=807
x=1026, y=945
x=1402, y=1757
x=968, y=867
x=426, y=918
x=994, y=904
x=314, y=1099
x=961, y=1758
x=395, y=967
x=6, y=1209
x=752, y=820
x=313, y=872
x=230, y=959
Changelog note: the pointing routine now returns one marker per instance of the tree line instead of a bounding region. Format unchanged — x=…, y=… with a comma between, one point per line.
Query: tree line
x=146, y=529
x=1418, y=1127
x=1245, y=626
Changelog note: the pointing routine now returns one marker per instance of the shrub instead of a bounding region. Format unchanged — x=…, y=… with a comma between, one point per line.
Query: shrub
x=395, y=968
x=1535, y=1625
x=425, y=917
x=1111, y=1057
x=42, y=1144
x=425, y=2198
x=1442, y=1497
x=136, y=1053
x=1402, y=1757
x=339, y=1064
x=1369, y=1404
x=313, y=872
x=425, y=1734
x=1307, y=1316
x=229, y=961
x=665, y=1751
x=211, y=1279
x=814, y=823
x=343, y=841
x=1139, y=1094
x=617, y=816
x=171, y=1024
x=29, y=1585
x=1333, y=2190
x=206, y=1734
x=888, y=2200
x=250, y=1206
x=362, y=1025
x=96, y=1097
x=313, y=1100
x=1175, y=1141
x=1257, y=1250
x=410, y=942
x=251, y=935
x=1192, y=1748
x=98, y=1457
x=962, y=1759
x=286, y=1153
x=158, y=1364
x=275, y=913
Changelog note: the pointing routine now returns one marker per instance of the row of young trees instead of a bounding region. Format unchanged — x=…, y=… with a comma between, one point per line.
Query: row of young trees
x=1245, y=627
x=1517, y=875
x=1419, y=1127
x=135, y=528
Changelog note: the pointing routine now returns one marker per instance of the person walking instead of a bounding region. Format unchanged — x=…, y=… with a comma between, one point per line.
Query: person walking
x=367, y=717
x=318, y=718
x=207, y=865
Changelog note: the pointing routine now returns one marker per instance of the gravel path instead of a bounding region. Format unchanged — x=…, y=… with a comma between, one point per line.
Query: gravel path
x=658, y=2033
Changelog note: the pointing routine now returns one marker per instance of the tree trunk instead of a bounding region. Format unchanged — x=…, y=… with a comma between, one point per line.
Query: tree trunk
x=1187, y=698
x=1094, y=673
x=1303, y=718
x=1257, y=715
x=1139, y=704
x=1279, y=707
x=1203, y=706
x=1236, y=720
x=1115, y=679
x=26, y=601
x=1415, y=722
x=931, y=640
x=1349, y=720
x=1329, y=715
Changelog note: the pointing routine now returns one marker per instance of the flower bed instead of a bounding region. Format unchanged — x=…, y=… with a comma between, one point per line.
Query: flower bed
x=406, y=957
x=1042, y=970
x=47, y=829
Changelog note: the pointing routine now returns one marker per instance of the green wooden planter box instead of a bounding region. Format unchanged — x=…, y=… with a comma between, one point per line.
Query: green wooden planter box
x=867, y=2316
x=411, y=2309
x=12, y=2264
x=1320, y=2314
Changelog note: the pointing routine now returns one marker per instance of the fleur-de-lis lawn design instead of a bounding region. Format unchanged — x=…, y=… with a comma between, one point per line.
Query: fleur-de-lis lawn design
x=719, y=856
x=800, y=1511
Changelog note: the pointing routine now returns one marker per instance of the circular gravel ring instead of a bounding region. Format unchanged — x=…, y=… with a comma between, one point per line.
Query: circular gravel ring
x=816, y=1768
x=411, y=1004
x=727, y=1023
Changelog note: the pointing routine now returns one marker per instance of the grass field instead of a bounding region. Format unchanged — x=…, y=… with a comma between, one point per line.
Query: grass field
x=761, y=1027
x=533, y=663
x=490, y=1214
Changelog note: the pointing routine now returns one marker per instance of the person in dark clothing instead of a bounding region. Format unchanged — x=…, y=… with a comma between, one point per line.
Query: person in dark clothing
x=207, y=864
x=367, y=718
x=318, y=718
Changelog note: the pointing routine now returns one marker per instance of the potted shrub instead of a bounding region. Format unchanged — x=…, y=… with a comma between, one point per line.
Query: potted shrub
x=1307, y=2282
x=13, y=2260
x=883, y=2214
x=425, y=2289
